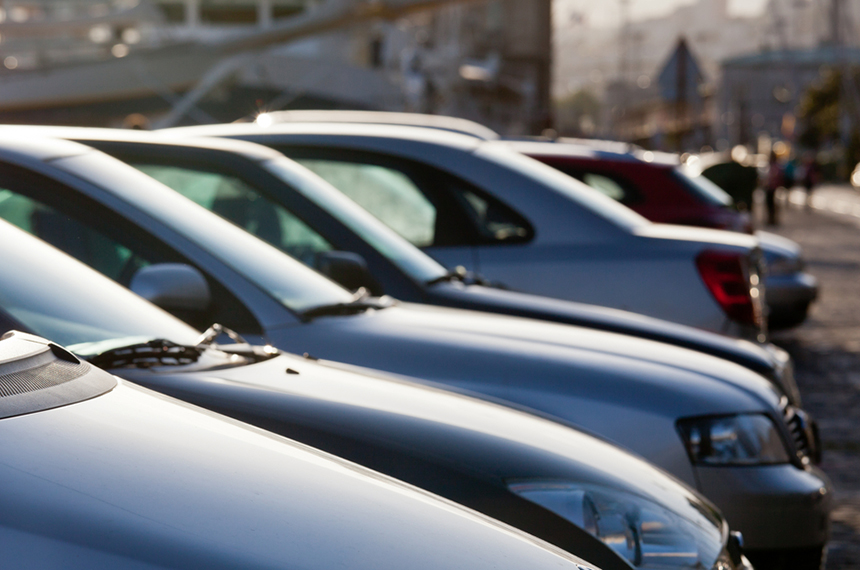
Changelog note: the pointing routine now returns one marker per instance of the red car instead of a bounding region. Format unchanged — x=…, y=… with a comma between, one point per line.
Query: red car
x=656, y=185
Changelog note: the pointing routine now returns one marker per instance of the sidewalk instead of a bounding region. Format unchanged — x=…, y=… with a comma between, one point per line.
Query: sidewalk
x=826, y=348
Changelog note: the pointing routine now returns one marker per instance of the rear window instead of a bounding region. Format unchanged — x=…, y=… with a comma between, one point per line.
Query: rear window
x=581, y=193
x=702, y=188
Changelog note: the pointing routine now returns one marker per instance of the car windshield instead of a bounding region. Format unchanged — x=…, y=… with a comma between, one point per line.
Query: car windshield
x=60, y=299
x=295, y=285
x=703, y=188
x=403, y=254
x=585, y=196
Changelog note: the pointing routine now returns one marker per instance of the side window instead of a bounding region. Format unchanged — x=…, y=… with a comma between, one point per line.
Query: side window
x=235, y=200
x=612, y=185
x=64, y=232
x=103, y=240
x=386, y=193
x=605, y=185
x=496, y=223
x=425, y=205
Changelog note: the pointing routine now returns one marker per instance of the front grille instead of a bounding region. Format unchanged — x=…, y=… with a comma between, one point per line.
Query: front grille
x=800, y=430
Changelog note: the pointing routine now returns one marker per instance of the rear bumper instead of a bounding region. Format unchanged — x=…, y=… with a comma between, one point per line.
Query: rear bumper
x=788, y=298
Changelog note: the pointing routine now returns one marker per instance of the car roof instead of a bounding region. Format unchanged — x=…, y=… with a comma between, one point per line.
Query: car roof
x=441, y=122
x=358, y=130
x=249, y=150
x=583, y=149
x=37, y=148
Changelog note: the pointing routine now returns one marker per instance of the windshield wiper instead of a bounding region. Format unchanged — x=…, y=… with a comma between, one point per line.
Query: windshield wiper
x=466, y=277
x=161, y=352
x=158, y=352
x=241, y=347
x=361, y=302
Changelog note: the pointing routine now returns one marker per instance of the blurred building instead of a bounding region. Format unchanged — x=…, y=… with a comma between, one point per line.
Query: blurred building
x=761, y=91
x=620, y=66
x=95, y=61
x=674, y=112
x=592, y=58
x=488, y=61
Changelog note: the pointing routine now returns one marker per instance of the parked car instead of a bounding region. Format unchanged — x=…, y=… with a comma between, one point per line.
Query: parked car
x=658, y=400
x=289, y=207
x=99, y=473
x=661, y=188
x=652, y=184
x=504, y=463
x=481, y=205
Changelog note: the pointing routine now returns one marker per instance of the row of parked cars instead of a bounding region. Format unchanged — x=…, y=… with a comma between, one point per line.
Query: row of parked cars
x=442, y=328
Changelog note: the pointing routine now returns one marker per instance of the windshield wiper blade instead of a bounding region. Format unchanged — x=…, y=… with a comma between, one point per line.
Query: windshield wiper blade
x=241, y=347
x=161, y=352
x=465, y=276
x=157, y=352
x=361, y=302
x=217, y=329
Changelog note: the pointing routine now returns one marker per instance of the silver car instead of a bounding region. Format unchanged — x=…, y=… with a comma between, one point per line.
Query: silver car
x=98, y=473
x=483, y=206
x=790, y=289
x=713, y=424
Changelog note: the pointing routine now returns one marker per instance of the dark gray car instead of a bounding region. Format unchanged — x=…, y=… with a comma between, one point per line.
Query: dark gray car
x=515, y=467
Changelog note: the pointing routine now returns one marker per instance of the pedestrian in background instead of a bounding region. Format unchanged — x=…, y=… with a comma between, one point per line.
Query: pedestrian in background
x=811, y=176
x=773, y=182
x=789, y=173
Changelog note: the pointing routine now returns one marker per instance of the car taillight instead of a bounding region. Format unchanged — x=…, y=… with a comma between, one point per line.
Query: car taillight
x=728, y=279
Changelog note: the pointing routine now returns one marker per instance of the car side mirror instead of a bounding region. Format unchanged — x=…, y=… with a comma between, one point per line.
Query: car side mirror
x=347, y=268
x=172, y=286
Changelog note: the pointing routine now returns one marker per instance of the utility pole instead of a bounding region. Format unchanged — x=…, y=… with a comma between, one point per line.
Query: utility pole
x=624, y=43
x=835, y=16
x=623, y=65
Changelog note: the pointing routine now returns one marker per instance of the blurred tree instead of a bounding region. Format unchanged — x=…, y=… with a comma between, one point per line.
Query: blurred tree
x=823, y=111
x=578, y=114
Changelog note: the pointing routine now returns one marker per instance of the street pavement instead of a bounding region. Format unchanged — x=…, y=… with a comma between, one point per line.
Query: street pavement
x=826, y=348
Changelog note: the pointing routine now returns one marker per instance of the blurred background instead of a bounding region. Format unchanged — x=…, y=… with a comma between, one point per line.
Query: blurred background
x=676, y=75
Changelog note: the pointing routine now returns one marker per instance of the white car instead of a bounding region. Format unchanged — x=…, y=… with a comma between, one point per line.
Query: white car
x=99, y=474
x=483, y=206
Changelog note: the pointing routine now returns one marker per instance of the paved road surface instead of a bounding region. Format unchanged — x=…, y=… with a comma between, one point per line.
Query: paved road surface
x=827, y=348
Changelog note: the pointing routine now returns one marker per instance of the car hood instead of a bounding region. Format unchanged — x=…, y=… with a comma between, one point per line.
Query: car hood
x=132, y=479
x=703, y=236
x=751, y=355
x=488, y=353
x=427, y=424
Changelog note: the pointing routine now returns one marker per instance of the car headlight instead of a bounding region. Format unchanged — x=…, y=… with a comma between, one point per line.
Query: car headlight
x=745, y=439
x=642, y=532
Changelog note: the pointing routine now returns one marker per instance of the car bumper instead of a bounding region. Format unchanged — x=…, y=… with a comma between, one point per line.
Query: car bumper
x=775, y=507
x=788, y=298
